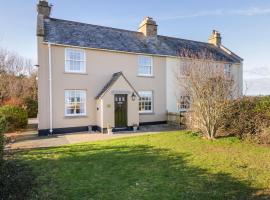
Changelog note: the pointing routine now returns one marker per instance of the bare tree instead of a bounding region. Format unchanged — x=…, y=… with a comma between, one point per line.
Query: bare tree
x=209, y=87
x=17, y=77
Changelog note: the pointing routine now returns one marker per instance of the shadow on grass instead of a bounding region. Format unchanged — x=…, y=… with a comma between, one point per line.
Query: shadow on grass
x=129, y=172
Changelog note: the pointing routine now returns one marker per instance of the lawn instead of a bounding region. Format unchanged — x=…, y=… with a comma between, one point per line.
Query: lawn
x=173, y=165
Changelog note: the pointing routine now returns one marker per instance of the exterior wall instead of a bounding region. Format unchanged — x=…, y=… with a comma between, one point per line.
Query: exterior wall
x=171, y=84
x=108, y=105
x=99, y=106
x=173, y=91
x=237, y=72
x=43, y=85
x=100, y=65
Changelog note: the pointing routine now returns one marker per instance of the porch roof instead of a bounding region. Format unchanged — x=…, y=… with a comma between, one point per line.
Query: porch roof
x=109, y=84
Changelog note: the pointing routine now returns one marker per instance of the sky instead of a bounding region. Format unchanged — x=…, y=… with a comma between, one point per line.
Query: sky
x=244, y=25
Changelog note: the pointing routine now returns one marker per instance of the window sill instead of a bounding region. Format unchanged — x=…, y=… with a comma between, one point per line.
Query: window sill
x=77, y=73
x=75, y=116
x=146, y=113
x=146, y=76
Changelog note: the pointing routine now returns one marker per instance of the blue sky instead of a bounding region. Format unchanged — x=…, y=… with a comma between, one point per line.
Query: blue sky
x=244, y=24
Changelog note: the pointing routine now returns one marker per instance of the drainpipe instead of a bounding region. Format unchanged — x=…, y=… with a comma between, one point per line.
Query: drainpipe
x=50, y=85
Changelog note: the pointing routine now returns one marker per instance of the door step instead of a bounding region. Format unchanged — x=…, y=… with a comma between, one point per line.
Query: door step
x=122, y=129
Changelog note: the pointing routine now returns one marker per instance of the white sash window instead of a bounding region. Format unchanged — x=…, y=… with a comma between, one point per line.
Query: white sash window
x=75, y=61
x=75, y=102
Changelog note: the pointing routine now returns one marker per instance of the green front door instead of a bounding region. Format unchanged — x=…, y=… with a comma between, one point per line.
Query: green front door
x=120, y=110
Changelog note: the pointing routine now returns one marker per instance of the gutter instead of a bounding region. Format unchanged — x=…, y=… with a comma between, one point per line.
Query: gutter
x=50, y=86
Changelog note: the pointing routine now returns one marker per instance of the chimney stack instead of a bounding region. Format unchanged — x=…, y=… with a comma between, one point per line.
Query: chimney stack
x=215, y=38
x=44, y=12
x=148, y=27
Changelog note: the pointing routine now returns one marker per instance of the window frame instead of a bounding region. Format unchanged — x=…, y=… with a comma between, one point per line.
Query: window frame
x=228, y=70
x=82, y=68
x=152, y=102
x=69, y=103
x=151, y=66
x=184, y=103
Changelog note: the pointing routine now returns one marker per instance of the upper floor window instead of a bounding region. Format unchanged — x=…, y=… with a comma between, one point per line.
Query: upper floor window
x=227, y=70
x=145, y=66
x=75, y=102
x=146, y=101
x=75, y=61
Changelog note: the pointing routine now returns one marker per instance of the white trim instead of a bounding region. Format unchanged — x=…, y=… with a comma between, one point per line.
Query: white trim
x=50, y=86
x=80, y=114
x=135, y=53
x=152, y=101
x=151, y=66
x=83, y=69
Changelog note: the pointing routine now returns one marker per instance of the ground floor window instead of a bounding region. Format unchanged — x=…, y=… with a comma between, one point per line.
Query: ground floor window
x=75, y=102
x=184, y=103
x=146, y=102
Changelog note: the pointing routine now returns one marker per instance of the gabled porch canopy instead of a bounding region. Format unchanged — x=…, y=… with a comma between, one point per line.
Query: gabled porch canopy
x=117, y=104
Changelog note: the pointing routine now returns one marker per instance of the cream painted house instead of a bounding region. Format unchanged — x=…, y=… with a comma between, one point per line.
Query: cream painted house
x=95, y=77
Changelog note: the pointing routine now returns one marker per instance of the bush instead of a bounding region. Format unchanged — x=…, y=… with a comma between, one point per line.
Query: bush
x=16, y=117
x=248, y=118
x=3, y=124
x=31, y=107
x=12, y=101
x=16, y=180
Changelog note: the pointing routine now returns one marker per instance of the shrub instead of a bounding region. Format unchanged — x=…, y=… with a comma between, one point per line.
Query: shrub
x=248, y=118
x=16, y=180
x=16, y=117
x=3, y=124
x=31, y=107
x=12, y=101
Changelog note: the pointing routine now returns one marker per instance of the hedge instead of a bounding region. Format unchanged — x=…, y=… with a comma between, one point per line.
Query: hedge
x=16, y=117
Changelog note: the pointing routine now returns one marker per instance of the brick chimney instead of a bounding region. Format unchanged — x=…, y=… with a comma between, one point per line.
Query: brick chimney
x=215, y=38
x=44, y=12
x=148, y=27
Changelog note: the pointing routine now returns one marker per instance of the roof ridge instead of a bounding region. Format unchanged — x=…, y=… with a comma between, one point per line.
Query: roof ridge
x=96, y=25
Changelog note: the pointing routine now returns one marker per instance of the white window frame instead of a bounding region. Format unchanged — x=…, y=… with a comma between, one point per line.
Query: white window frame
x=144, y=93
x=151, y=66
x=67, y=103
x=228, y=70
x=83, y=61
x=184, y=102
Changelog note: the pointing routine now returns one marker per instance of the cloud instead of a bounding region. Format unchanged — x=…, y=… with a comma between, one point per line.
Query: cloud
x=256, y=81
x=257, y=72
x=250, y=11
x=256, y=86
x=219, y=12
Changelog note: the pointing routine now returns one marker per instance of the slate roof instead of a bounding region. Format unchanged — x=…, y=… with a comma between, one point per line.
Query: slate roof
x=100, y=37
x=113, y=79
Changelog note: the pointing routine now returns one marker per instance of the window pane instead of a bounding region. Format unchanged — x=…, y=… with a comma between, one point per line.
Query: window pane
x=75, y=60
x=145, y=101
x=75, y=102
x=145, y=65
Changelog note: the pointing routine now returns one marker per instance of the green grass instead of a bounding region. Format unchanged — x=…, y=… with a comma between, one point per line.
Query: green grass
x=175, y=165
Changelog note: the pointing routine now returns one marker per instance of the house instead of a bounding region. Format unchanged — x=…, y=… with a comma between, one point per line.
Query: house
x=94, y=77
